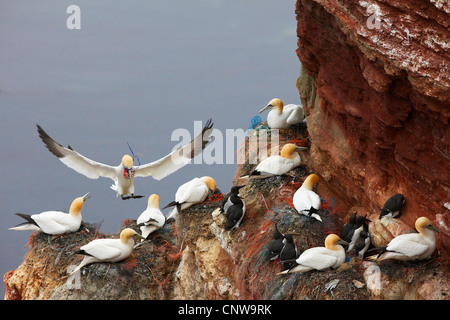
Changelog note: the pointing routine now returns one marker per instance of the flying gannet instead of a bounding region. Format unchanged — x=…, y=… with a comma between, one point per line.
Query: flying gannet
x=123, y=175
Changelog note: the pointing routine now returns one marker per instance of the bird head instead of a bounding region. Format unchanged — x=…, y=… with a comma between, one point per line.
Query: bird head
x=127, y=163
x=210, y=183
x=127, y=233
x=289, y=149
x=332, y=240
x=235, y=189
x=77, y=204
x=424, y=223
x=275, y=104
x=153, y=201
x=311, y=181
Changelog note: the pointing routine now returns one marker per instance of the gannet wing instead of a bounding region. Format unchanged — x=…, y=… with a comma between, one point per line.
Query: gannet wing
x=407, y=244
x=317, y=258
x=103, y=249
x=176, y=159
x=76, y=161
x=51, y=222
x=195, y=193
x=296, y=113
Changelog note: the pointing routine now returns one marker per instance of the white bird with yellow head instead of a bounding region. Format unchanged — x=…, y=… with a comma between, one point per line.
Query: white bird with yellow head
x=305, y=200
x=321, y=258
x=283, y=116
x=278, y=164
x=410, y=246
x=190, y=193
x=54, y=222
x=123, y=175
x=107, y=250
x=152, y=218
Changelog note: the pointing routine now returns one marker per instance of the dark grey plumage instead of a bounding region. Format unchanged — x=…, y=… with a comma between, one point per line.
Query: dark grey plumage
x=275, y=245
x=353, y=231
x=392, y=206
x=288, y=253
x=234, y=208
x=348, y=227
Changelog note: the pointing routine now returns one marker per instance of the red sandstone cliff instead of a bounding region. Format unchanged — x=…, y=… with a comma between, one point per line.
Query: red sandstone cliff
x=376, y=90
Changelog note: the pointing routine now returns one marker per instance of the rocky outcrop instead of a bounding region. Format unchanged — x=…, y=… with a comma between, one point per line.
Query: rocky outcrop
x=375, y=87
x=195, y=258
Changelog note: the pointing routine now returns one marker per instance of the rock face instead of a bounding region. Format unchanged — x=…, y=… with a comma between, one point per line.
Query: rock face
x=375, y=87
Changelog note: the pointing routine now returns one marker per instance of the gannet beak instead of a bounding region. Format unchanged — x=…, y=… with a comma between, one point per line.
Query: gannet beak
x=343, y=242
x=297, y=148
x=85, y=197
x=431, y=227
x=269, y=106
x=138, y=235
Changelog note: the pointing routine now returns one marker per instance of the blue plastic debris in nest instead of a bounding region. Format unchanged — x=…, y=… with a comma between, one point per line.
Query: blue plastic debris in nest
x=256, y=120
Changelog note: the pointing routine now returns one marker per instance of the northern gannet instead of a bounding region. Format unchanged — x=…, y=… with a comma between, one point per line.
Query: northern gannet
x=234, y=208
x=123, y=175
x=152, y=218
x=107, y=250
x=278, y=164
x=281, y=116
x=288, y=253
x=410, y=246
x=305, y=200
x=275, y=245
x=392, y=206
x=321, y=258
x=190, y=193
x=54, y=222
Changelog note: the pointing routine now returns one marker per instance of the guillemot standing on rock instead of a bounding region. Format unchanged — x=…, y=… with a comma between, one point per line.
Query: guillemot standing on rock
x=234, y=208
x=288, y=253
x=352, y=232
x=392, y=206
x=275, y=245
